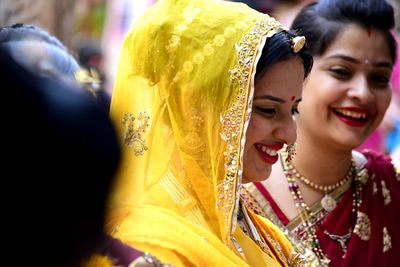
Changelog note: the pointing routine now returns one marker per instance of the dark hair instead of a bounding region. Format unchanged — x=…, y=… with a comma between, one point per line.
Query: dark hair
x=62, y=62
x=57, y=197
x=321, y=22
x=278, y=48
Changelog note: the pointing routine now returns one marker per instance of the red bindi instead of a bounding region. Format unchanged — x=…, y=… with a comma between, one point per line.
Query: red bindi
x=369, y=31
x=292, y=98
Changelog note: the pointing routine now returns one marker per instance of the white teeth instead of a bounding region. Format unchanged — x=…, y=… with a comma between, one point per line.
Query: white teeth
x=352, y=114
x=268, y=151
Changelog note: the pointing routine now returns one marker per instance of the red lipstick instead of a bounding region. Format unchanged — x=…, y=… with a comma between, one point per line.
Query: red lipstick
x=340, y=113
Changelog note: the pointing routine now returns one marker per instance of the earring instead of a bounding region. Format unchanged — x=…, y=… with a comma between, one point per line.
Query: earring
x=290, y=152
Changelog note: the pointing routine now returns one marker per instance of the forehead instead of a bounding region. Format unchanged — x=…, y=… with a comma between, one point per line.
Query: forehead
x=283, y=79
x=360, y=43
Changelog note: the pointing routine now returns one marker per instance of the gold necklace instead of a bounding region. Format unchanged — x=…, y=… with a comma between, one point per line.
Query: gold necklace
x=305, y=213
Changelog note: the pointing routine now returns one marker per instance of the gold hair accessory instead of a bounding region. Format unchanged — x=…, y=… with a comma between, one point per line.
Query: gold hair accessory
x=298, y=43
x=290, y=152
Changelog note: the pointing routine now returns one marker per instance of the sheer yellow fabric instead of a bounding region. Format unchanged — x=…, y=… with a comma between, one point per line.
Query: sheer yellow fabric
x=182, y=101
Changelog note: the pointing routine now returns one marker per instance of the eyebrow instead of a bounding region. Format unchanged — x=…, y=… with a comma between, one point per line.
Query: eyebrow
x=274, y=98
x=355, y=61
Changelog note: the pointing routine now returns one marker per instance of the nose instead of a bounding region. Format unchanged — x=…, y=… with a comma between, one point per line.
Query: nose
x=360, y=90
x=286, y=132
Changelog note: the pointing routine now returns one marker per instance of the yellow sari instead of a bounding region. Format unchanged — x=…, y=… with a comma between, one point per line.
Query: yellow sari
x=182, y=102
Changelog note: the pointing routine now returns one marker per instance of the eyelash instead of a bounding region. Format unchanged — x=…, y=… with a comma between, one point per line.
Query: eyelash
x=295, y=111
x=343, y=73
x=340, y=72
x=269, y=112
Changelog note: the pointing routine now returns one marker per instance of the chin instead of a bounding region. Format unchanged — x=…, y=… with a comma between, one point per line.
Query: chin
x=256, y=177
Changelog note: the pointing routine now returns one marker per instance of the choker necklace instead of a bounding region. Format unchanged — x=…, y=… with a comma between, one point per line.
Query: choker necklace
x=324, y=188
x=328, y=203
x=306, y=216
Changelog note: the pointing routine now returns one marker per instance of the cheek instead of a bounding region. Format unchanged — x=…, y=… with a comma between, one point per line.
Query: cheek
x=256, y=129
x=251, y=130
x=383, y=101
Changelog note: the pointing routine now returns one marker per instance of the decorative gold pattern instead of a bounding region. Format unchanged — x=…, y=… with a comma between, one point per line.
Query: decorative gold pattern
x=182, y=198
x=385, y=193
x=374, y=188
x=387, y=240
x=257, y=202
x=297, y=260
x=189, y=13
x=363, y=176
x=363, y=226
x=134, y=129
x=231, y=122
x=193, y=145
x=249, y=201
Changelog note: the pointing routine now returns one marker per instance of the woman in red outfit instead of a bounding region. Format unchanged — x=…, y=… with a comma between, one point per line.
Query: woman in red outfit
x=343, y=204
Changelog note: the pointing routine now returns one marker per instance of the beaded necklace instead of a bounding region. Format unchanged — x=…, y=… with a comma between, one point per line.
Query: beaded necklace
x=327, y=202
x=306, y=215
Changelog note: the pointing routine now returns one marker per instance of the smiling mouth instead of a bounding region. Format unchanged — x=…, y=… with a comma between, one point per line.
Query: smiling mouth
x=351, y=117
x=268, y=155
x=266, y=150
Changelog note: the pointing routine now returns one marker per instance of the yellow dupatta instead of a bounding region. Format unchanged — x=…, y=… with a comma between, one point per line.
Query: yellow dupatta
x=182, y=102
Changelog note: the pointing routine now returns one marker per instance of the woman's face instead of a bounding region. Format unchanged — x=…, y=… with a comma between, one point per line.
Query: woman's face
x=276, y=97
x=348, y=90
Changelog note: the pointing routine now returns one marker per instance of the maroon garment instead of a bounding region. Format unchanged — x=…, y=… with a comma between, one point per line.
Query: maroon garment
x=380, y=204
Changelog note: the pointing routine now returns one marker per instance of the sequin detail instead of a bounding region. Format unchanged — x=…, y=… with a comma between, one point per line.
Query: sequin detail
x=387, y=240
x=385, y=193
x=232, y=121
x=363, y=226
x=374, y=188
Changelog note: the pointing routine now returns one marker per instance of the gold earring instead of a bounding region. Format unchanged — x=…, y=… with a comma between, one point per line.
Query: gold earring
x=290, y=152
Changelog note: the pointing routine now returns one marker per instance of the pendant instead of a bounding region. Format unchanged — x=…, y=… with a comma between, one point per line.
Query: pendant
x=328, y=203
x=342, y=239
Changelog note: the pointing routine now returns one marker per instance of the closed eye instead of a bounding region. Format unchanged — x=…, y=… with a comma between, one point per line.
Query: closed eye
x=268, y=112
x=339, y=72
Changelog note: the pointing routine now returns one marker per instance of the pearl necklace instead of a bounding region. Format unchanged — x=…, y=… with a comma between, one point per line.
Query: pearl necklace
x=324, y=188
x=306, y=215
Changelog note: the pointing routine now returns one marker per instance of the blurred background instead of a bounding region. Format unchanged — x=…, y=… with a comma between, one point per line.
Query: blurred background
x=93, y=30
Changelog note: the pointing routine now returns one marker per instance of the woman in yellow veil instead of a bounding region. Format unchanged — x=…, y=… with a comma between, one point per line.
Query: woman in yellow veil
x=204, y=97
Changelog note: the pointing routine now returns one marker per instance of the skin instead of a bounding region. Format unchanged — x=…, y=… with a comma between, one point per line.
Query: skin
x=272, y=124
x=354, y=73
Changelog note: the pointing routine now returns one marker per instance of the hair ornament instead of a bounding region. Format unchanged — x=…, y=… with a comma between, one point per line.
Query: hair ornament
x=298, y=43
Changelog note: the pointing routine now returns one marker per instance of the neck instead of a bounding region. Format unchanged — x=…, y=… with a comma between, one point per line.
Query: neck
x=321, y=164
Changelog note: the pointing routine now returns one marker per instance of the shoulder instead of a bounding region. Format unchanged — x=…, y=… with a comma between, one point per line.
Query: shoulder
x=382, y=169
x=376, y=162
